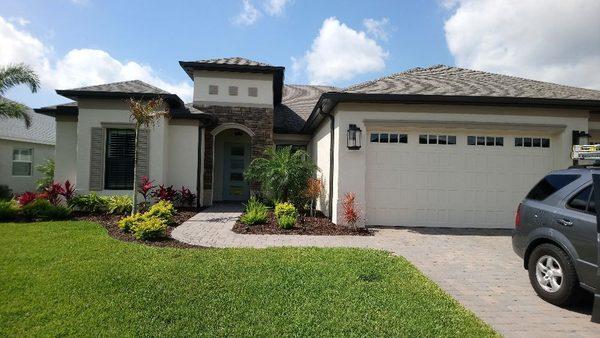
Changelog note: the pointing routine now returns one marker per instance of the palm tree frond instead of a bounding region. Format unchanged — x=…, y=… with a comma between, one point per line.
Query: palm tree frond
x=18, y=74
x=9, y=109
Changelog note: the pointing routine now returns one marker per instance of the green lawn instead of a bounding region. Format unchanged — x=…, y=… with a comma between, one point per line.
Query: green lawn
x=71, y=278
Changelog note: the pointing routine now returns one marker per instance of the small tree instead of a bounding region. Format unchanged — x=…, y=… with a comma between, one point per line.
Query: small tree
x=282, y=174
x=144, y=113
x=314, y=188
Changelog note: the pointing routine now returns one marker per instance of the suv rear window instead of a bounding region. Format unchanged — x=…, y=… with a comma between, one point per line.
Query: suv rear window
x=549, y=185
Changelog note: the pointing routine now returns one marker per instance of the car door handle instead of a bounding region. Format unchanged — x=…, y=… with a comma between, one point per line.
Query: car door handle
x=564, y=222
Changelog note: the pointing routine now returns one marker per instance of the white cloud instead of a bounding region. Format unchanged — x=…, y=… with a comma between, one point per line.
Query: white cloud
x=80, y=2
x=248, y=15
x=79, y=67
x=339, y=53
x=379, y=29
x=554, y=40
x=19, y=20
x=275, y=7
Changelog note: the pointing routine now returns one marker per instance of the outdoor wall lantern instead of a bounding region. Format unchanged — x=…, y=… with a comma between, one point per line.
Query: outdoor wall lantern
x=354, y=137
x=581, y=137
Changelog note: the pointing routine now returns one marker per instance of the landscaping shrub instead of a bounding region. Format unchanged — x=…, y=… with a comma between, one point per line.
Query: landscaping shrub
x=285, y=214
x=5, y=193
x=119, y=204
x=351, y=213
x=186, y=197
x=53, y=192
x=163, y=210
x=313, y=190
x=149, y=228
x=281, y=174
x=68, y=191
x=286, y=208
x=26, y=198
x=255, y=213
x=47, y=171
x=8, y=210
x=42, y=209
x=165, y=193
x=91, y=203
x=286, y=221
x=145, y=189
x=126, y=224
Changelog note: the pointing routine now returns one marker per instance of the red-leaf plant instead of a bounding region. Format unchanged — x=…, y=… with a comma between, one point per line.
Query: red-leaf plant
x=68, y=191
x=351, y=213
x=145, y=188
x=165, y=193
x=26, y=198
x=54, y=191
x=186, y=196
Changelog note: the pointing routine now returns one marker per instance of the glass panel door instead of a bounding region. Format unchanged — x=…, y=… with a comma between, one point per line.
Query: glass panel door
x=236, y=158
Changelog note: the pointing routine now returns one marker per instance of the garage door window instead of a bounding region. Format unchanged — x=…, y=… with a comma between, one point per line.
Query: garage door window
x=532, y=142
x=490, y=141
x=388, y=138
x=437, y=139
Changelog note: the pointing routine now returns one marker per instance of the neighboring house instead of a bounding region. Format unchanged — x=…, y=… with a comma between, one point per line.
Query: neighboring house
x=439, y=146
x=22, y=149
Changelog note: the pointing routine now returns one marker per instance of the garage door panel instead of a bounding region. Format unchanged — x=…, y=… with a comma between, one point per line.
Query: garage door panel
x=456, y=185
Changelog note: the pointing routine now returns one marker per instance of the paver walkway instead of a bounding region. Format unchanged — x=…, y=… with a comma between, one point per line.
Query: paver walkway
x=476, y=267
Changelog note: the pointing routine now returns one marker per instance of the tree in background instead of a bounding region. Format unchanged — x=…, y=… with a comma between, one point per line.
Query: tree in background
x=47, y=171
x=144, y=113
x=11, y=76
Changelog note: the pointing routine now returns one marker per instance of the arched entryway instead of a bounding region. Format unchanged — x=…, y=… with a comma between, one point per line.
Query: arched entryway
x=232, y=155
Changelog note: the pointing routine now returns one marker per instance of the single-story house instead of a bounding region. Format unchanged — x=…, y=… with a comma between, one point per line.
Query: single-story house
x=22, y=149
x=436, y=146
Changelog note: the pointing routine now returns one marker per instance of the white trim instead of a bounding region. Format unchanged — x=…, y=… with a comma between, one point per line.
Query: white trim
x=202, y=149
x=17, y=139
x=232, y=125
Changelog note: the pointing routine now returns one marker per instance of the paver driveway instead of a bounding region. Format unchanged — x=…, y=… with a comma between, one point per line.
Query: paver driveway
x=477, y=267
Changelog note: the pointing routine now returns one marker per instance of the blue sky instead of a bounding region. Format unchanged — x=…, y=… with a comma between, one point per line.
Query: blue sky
x=147, y=38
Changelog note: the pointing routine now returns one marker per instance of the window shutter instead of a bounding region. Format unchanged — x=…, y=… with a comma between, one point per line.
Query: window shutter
x=143, y=154
x=97, y=159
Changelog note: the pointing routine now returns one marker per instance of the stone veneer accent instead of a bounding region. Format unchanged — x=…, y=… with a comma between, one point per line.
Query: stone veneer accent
x=259, y=120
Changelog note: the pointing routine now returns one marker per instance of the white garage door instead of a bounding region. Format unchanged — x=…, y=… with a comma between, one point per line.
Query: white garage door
x=452, y=179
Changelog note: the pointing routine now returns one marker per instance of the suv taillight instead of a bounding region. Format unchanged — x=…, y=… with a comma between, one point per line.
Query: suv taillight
x=518, y=216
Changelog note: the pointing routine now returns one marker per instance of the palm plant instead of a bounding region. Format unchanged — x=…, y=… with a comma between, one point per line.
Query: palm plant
x=144, y=113
x=11, y=76
x=282, y=173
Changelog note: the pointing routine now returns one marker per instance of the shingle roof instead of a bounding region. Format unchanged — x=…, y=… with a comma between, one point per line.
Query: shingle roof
x=238, y=61
x=133, y=86
x=454, y=81
x=296, y=105
x=42, y=130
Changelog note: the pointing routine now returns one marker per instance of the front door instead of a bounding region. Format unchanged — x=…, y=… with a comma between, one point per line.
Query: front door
x=236, y=160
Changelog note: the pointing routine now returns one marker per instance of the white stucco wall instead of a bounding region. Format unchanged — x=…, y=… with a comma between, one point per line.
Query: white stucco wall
x=114, y=113
x=66, y=150
x=20, y=184
x=182, y=163
x=319, y=147
x=350, y=166
x=263, y=82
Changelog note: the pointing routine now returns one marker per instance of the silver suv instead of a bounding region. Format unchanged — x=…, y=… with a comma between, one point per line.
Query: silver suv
x=555, y=234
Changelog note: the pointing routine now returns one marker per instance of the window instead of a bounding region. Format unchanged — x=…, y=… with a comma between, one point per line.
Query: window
x=119, y=159
x=489, y=141
x=532, y=142
x=22, y=162
x=388, y=138
x=549, y=185
x=233, y=90
x=213, y=90
x=437, y=139
x=253, y=91
x=581, y=200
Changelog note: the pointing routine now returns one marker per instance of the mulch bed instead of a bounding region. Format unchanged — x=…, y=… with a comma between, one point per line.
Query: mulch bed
x=319, y=225
x=109, y=222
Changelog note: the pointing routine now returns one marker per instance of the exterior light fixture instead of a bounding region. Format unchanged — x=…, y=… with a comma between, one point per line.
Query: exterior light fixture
x=581, y=137
x=354, y=137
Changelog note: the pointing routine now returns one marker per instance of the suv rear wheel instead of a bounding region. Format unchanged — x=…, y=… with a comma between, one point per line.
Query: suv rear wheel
x=553, y=275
